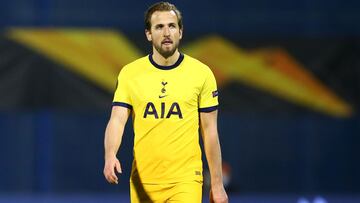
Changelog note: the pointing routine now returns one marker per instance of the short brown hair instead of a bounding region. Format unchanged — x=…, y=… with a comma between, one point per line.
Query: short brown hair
x=161, y=6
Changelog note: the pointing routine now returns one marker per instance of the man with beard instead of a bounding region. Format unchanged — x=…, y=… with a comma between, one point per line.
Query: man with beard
x=168, y=94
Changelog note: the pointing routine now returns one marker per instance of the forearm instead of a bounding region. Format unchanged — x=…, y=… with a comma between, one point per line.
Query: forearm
x=213, y=156
x=113, y=137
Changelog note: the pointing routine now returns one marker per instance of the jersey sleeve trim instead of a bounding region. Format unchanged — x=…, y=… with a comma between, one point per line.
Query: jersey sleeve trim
x=209, y=109
x=122, y=104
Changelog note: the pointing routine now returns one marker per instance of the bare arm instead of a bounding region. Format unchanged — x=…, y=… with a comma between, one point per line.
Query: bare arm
x=113, y=136
x=210, y=137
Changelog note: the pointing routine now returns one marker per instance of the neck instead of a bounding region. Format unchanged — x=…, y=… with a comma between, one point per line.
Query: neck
x=159, y=59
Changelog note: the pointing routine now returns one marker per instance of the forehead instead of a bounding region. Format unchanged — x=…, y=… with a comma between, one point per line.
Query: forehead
x=163, y=17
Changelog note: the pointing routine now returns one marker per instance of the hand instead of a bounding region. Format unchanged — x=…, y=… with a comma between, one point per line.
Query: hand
x=218, y=195
x=111, y=164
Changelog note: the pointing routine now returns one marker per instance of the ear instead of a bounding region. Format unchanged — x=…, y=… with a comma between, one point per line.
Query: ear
x=148, y=35
x=180, y=33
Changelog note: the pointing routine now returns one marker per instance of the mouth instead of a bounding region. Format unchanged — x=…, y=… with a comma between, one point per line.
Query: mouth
x=167, y=42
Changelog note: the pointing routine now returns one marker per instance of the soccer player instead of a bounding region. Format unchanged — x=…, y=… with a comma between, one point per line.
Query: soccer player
x=169, y=95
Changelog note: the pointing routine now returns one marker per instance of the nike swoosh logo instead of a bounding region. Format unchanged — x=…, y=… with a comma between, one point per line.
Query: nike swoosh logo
x=162, y=96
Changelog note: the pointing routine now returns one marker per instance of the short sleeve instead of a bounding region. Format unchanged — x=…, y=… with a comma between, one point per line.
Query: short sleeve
x=208, y=99
x=122, y=92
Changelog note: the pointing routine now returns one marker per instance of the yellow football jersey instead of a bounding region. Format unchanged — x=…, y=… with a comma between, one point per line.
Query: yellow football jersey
x=165, y=103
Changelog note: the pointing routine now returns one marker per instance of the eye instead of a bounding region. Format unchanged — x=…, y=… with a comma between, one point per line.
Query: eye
x=160, y=26
x=172, y=25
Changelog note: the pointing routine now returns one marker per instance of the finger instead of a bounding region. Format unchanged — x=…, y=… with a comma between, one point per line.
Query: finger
x=111, y=179
x=108, y=171
x=118, y=167
x=110, y=175
x=113, y=175
x=114, y=178
x=108, y=178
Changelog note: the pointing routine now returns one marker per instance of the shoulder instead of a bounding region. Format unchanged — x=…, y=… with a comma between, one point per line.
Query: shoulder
x=195, y=62
x=197, y=65
x=133, y=67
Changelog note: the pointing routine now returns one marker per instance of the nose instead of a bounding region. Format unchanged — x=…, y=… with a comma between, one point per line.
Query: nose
x=166, y=31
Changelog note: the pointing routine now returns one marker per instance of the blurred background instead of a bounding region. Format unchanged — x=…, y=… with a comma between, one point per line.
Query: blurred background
x=288, y=74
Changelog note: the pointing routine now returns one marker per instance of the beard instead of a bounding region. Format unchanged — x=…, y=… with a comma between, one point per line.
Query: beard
x=166, y=53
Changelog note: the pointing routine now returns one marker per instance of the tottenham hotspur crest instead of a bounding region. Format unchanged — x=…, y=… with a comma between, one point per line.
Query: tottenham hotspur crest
x=163, y=89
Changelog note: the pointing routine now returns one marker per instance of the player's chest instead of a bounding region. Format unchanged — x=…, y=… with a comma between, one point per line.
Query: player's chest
x=166, y=87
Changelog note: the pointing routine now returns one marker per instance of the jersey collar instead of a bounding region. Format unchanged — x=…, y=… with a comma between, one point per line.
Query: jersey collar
x=176, y=64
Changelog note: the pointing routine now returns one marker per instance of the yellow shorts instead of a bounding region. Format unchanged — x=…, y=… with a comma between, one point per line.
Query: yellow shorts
x=186, y=192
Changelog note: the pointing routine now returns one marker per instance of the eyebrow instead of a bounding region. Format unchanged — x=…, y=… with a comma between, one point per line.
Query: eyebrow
x=162, y=25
